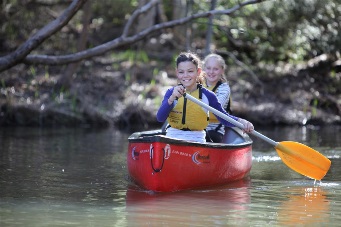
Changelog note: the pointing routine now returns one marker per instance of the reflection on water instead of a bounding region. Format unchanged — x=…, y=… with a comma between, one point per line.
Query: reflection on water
x=78, y=177
x=305, y=206
x=200, y=207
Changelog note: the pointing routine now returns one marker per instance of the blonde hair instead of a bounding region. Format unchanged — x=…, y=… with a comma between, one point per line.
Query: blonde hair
x=221, y=61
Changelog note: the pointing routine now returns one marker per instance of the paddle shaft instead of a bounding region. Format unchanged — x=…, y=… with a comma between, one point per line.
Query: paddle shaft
x=230, y=119
x=311, y=163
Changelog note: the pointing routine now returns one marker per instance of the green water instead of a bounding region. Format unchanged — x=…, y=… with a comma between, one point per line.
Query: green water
x=78, y=177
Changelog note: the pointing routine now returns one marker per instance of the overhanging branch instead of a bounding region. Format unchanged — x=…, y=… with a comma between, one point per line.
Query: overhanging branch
x=21, y=55
x=32, y=43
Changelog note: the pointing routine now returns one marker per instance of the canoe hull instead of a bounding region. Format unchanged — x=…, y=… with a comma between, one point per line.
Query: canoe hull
x=162, y=164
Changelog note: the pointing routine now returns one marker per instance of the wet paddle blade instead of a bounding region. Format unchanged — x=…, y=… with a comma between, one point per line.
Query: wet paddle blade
x=303, y=159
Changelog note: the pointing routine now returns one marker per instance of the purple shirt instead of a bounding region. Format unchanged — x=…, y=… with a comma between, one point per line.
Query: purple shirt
x=165, y=108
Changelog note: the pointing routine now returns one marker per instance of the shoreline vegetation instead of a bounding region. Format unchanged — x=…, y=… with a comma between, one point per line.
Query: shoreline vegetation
x=78, y=64
x=102, y=95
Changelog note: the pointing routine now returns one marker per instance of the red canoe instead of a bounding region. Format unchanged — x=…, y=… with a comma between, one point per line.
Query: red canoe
x=162, y=164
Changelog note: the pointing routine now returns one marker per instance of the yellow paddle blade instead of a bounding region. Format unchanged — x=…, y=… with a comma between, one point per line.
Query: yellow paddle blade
x=303, y=159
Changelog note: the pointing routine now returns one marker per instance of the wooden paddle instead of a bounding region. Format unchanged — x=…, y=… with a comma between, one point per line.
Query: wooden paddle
x=297, y=156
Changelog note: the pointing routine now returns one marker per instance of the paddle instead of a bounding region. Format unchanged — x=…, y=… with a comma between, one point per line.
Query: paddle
x=297, y=156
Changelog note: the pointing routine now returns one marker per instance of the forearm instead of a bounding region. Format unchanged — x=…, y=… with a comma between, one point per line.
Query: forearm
x=171, y=100
x=213, y=101
x=225, y=122
x=166, y=106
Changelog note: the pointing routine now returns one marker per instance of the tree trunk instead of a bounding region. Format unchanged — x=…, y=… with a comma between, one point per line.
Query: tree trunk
x=179, y=11
x=65, y=81
x=210, y=29
x=145, y=20
x=189, y=7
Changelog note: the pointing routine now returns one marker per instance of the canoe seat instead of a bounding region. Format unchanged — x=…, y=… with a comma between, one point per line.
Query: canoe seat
x=233, y=136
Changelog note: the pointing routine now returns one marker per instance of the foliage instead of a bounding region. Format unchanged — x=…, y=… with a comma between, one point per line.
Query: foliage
x=24, y=18
x=288, y=31
x=272, y=31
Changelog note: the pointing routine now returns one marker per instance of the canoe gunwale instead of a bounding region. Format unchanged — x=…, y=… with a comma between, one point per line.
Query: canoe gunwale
x=158, y=136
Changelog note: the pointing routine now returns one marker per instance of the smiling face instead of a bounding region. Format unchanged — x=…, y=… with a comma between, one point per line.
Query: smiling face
x=187, y=73
x=214, y=71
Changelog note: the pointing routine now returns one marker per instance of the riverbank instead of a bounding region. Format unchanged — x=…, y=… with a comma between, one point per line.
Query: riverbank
x=102, y=96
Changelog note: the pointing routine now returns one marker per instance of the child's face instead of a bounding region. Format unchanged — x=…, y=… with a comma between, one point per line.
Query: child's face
x=213, y=70
x=187, y=73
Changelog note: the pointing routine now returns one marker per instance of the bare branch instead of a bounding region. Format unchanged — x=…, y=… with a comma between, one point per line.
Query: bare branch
x=136, y=13
x=18, y=55
x=124, y=39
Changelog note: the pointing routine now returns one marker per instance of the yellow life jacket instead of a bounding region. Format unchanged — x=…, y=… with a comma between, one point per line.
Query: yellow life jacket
x=213, y=118
x=187, y=115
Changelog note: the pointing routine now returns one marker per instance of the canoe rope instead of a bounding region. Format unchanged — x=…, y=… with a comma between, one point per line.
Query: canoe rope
x=151, y=160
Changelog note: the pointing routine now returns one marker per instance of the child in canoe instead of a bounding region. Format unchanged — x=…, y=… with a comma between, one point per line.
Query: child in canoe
x=187, y=119
x=214, y=68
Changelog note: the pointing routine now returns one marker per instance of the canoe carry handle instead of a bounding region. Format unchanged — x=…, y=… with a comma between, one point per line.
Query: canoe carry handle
x=155, y=159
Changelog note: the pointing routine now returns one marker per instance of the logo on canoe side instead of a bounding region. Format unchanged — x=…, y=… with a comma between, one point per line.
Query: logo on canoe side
x=199, y=158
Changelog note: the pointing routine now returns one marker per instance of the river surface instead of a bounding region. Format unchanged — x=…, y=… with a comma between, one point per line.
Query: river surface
x=78, y=177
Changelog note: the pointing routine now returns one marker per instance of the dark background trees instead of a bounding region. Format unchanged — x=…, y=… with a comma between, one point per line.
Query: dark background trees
x=59, y=48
